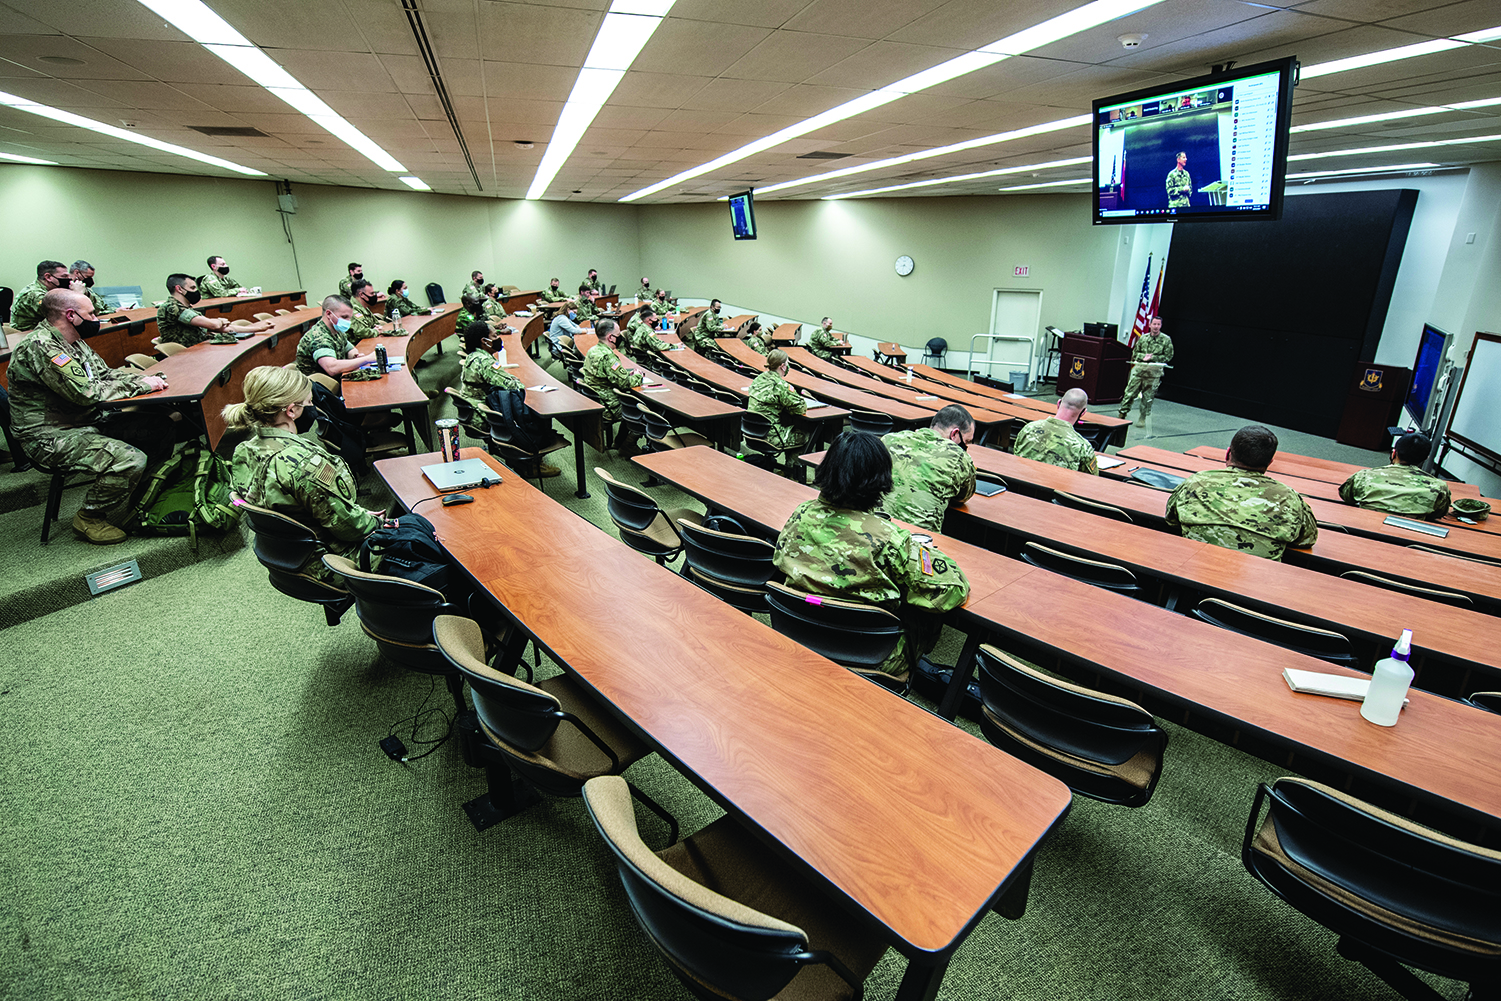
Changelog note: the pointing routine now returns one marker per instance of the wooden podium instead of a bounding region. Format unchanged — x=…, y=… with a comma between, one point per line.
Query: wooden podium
x=1098, y=365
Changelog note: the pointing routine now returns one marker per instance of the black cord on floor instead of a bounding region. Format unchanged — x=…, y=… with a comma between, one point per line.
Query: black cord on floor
x=418, y=719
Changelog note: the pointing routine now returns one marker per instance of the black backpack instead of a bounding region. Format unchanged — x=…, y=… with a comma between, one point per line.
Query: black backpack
x=338, y=430
x=523, y=427
x=410, y=551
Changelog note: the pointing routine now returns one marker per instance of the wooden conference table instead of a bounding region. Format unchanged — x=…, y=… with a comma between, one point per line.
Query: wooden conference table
x=551, y=398
x=1336, y=550
x=211, y=376
x=808, y=754
x=822, y=419
x=720, y=421
x=130, y=331
x=902, y=414
x=919, y=394
x=1443, y=753
x=399, y=390
x=1042, y=408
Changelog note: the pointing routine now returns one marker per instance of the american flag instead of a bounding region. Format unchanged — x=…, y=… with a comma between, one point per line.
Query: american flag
x=1144, y=309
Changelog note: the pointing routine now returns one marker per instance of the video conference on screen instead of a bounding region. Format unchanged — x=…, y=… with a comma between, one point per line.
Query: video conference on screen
x=1205, y=150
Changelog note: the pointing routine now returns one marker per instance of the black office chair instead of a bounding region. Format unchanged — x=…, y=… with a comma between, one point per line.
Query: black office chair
x=851, y=633
x=1402, y=587
x=7, y=299
x=632, y=426
x=1097, y=573
x=876, y=424
x=507, y=445
x=398, y=614
x=521, y=731
x=733, y=567
x=1309, y=640
x=285, y=546
x=435, y=294
x=933, y=353
x=790, y=941
x=1064, y=499
x=663, y=436
x=1489, y=701
x=1397, y=894
x=1098, y=435
x=643, y=525
x=1100, y=745
x=756, y=430
x=17, y=454
x=473, y=419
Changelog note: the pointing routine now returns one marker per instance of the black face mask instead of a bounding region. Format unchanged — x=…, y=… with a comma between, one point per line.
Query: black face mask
x=87, y=282
x=223, y=269
x=193, y=297
x=86, y=328
x=304, y=422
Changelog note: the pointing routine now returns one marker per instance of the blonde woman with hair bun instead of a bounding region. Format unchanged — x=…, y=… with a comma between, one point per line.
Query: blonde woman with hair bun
x=277, y=467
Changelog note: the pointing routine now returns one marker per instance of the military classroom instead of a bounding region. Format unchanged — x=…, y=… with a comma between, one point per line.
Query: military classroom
x=1071, y=763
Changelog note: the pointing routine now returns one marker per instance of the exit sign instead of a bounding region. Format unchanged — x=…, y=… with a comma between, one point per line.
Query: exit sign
x=1021, y=271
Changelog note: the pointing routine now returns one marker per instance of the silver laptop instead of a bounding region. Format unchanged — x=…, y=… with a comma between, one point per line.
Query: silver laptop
x=459, y=475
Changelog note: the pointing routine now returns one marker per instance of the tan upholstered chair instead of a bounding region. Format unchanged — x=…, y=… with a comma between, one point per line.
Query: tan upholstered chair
x=789, y=940
x=643, y=525
x=1321, y=643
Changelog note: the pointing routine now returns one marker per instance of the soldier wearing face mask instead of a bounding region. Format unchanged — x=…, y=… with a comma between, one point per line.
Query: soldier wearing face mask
x=57, y=383
x=356, y=272
x=367, y=309
x=326, y=347
x=26, y=311
x=82, y=272
x=217, y=284
x=179, y=323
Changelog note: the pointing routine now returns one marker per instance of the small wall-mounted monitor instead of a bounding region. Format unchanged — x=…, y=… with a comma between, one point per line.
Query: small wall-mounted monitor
x=743, y=216
x=1110, y=330
x=1432, y=347
x=1210, y=148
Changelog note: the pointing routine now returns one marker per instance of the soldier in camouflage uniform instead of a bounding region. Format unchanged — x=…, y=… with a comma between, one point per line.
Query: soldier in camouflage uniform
x=346, y=287
x=639, y=335
x=1053, y=439
x=217, y=284
x=57, y=383
x=931, y=468
x=554, y=292
x=1401, y=488
x=475, y=286
x=400, y=294
x=26, y=310
x=751, y=334
x=179, y=323
x=364, y=320
x=839, y=546
x=592, y=282
x=1242, y=508
x=587, y=311
x=278, y=468
x=83, y=272
x=495, y=312
x=773, y=397
x=1153, y=346
x=824, y=343
x=325, y=347
x=711, y=321
x=664, y=305
x=605, y=373
x=1180, y=185
x=473, y=309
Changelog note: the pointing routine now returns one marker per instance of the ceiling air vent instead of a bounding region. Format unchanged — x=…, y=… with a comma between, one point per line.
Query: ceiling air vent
x=239, y=131
x=822, y=154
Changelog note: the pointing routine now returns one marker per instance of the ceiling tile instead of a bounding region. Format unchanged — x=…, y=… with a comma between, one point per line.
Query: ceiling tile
x=792, y=56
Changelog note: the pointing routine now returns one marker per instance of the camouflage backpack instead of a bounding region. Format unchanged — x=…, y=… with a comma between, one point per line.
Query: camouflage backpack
x=187, y=492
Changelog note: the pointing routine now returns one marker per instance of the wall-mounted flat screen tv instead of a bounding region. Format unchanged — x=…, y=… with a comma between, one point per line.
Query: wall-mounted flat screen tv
x=1211, y=148
x=743, y=216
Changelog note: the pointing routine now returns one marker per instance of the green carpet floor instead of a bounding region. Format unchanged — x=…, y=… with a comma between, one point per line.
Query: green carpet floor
x=195, y=807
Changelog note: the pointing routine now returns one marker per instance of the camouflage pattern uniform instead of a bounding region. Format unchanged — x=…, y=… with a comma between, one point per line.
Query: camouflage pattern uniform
x=596, y=285
x=494, y=311
x=1242, y=510
x=860, y=556
x=697, y=337
x=1143, y=379
x=217, y=286
x=463, y=319
x=710, y=324
x=471, y=289
x=927, y=473
x=405, y=306
x=664, y=304
x=772, y=397
x=362, y=324
x=1179, y=187
x=321, y=341
x=346, y=288
x=1052, y=441
x=481, y=373
x=55, y=392
x=588, y=312
x=101, y=308
x=174, y=321
x=292, y=475
x=26, y=310
x=642, y=338
x=758, y=344
x=1397, y=489
x=604, y=373
x=822, y=343
x=551, y=294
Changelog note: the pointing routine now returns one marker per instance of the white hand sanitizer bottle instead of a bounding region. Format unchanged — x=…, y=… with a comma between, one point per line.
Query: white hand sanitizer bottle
x=1389, y=683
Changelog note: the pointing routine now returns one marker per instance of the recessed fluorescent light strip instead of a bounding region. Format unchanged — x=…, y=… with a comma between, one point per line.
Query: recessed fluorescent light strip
x=1342, y=123
x=68, y=118
x=1401, y=52
x=27, y=159
x=1390, y=149
x=1064, y=25
x=626, y=28
x=196, y=20
x=1393, y=168
x=415, y=183
x=1048, y=184
x=961, y=177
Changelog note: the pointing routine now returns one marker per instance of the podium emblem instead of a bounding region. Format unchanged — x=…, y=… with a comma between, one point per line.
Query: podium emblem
x=1076, y=368
x=1372, y=381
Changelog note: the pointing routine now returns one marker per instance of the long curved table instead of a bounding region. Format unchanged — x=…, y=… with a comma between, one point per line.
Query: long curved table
x=413, y=337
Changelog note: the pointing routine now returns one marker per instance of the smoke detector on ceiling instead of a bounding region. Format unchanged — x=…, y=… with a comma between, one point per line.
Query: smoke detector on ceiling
x=1131, y=41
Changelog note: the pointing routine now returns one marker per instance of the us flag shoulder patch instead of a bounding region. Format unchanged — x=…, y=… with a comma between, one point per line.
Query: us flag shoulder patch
x=61, y=360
